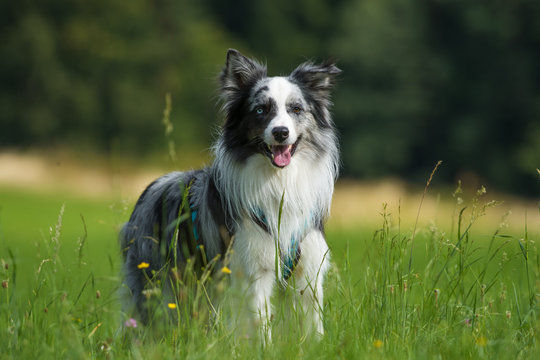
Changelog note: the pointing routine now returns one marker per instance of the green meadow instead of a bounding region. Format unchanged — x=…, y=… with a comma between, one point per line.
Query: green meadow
x=89, y=95
x=406, y=282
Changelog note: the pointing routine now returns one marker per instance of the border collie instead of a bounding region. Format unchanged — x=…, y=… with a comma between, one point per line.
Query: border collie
x=268, y=189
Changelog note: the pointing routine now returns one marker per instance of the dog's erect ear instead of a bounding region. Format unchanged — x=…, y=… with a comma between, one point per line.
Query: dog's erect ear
x=240, y=72
x=318, y=78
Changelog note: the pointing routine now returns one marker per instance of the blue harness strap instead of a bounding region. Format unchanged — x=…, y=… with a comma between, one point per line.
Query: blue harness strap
x=193, y=217
x=291, y=260
x=288, y=261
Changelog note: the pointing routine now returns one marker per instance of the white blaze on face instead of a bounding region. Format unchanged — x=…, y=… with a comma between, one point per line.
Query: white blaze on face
x=281, y=90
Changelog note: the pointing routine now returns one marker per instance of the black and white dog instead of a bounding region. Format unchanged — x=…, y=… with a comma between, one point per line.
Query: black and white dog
x=276, y=161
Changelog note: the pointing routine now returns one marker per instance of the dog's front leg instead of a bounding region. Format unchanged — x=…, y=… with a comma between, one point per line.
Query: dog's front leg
x=312, y=304
x=261, y=293
x=254, y=259
x=314, y=264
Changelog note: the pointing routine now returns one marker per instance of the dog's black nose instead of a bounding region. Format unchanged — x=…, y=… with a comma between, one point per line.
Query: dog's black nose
x=280, y=133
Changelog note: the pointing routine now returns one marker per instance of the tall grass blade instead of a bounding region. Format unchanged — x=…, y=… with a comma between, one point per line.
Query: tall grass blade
x=420, y=208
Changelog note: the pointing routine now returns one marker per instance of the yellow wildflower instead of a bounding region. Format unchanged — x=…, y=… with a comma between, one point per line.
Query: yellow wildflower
x=481, y=341
x=377, y=343
x=225, y=270
x=171, y=305
x=143, y=265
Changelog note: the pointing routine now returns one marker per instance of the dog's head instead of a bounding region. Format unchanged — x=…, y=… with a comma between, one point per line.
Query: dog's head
x=274, y=116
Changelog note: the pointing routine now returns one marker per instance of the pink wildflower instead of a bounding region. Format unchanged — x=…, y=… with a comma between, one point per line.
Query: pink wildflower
x=131, y=323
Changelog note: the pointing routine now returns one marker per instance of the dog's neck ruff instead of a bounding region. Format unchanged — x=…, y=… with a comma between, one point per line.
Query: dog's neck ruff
x=253, y=185
x=294, y=200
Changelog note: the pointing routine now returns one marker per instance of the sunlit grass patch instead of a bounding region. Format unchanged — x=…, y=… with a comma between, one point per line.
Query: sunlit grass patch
x=471, y=291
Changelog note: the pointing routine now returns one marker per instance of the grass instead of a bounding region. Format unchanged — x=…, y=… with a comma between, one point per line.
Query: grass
x=462, y=290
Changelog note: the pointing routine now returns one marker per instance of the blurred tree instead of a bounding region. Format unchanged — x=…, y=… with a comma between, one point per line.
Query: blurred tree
x=281, y=32
x=438, y=79
x=423, y=80
x=387, y=83
x=491, y=98
x=96, y=73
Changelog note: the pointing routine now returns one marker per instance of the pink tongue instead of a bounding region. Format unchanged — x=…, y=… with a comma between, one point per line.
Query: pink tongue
x=282, y=155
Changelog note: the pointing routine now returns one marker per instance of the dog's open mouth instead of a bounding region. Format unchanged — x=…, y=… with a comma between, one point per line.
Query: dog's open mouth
x=281, y=155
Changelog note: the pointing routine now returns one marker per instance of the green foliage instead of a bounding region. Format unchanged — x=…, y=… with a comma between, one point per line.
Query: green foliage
x=96, y=74
x=440, y=80
x=422, y=81
x=468, y=294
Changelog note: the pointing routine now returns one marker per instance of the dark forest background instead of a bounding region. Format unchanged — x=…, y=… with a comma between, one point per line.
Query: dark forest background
x=424, y=80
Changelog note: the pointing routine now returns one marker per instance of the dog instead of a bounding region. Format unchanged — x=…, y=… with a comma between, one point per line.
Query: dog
x=269, y=189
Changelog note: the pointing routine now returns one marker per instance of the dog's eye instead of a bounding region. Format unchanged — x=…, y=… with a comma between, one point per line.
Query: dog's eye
x=296, y=109
x=259, y=110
